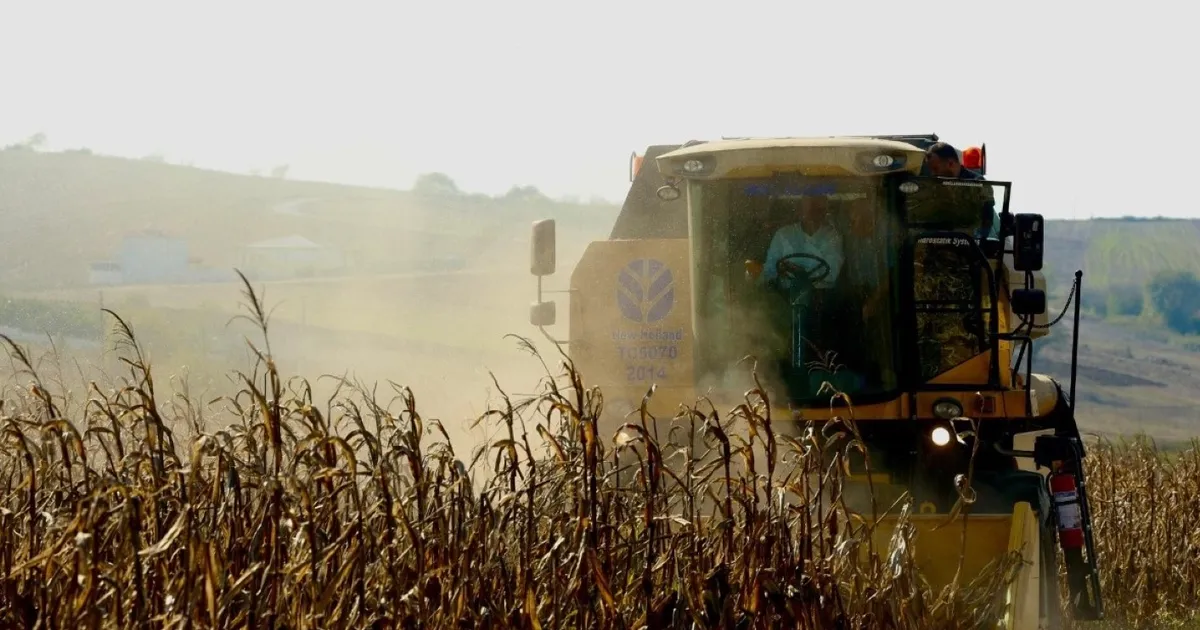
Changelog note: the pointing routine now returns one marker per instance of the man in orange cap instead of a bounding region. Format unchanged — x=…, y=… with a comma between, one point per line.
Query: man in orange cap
x=942, y=161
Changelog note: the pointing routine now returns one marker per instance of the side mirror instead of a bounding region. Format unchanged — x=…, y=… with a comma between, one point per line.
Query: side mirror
x=1029, y=237
x=542, y=314
x=1028, y=302
x=542, y=255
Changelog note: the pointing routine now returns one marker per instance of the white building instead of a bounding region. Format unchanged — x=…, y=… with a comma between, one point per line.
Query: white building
x=151, y=257
x=146, y=257
x=291, y=257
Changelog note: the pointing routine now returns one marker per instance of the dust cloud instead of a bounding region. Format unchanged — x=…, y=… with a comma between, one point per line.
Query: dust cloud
x=383, y=349
x=440, y=327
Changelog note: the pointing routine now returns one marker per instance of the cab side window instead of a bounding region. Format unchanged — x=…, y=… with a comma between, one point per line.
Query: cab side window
x=949, y=298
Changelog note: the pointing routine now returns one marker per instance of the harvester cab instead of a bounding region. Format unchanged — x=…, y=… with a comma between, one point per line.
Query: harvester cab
x=844, y=263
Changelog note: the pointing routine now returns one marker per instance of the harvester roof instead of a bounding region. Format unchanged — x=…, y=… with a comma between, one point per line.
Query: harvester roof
x=763, y=157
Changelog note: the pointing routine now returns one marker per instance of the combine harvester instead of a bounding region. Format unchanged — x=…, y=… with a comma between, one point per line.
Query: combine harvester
x=923, y=316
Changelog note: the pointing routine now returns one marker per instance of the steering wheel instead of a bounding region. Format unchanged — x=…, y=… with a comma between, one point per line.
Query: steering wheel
x=784, y=268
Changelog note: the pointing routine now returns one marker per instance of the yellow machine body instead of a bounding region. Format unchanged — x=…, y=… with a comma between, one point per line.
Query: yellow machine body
x=631, y=306
x=635, y=311
x=944, y=552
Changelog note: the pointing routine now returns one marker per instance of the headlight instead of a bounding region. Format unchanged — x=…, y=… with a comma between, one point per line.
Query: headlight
x=940, y=436
x=947, y=409
x=668, y=193
x=696, y=166
x=871, y=161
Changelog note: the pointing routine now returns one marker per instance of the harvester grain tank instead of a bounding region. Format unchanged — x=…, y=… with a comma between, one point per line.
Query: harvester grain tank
x=906, y=300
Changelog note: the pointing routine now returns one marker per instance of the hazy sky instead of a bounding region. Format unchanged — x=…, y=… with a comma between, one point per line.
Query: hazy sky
x=557, y=94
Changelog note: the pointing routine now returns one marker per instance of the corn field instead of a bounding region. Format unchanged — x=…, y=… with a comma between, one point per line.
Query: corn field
x=357, y=513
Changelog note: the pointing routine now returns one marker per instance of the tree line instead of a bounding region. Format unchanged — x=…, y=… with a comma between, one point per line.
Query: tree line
x=1172, y=295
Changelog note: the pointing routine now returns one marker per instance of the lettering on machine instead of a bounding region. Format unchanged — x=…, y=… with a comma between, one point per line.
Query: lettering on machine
x=645, y=296
x=956, y=241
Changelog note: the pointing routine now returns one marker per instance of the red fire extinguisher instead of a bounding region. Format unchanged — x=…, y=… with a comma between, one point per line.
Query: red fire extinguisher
x=1068, y=494
x=1066, y=503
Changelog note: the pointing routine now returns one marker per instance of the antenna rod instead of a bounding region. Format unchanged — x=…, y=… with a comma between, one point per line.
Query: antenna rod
x=1075, y=335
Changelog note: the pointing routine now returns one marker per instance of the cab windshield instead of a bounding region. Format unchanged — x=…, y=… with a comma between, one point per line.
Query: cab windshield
x=800, y=274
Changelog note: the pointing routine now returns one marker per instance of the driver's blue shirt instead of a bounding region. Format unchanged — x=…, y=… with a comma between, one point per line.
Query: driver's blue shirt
x=792, y=239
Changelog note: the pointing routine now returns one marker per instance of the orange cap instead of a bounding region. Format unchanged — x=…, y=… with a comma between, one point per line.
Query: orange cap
x=972, y=158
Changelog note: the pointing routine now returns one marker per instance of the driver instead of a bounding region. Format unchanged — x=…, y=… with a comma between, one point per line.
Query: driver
x=814, y=235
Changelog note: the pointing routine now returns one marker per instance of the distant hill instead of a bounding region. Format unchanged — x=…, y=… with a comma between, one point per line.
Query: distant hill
x=1119, y=252
x=62, y=211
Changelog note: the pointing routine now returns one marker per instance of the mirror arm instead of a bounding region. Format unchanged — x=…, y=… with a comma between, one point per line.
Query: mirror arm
x=558, y=342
